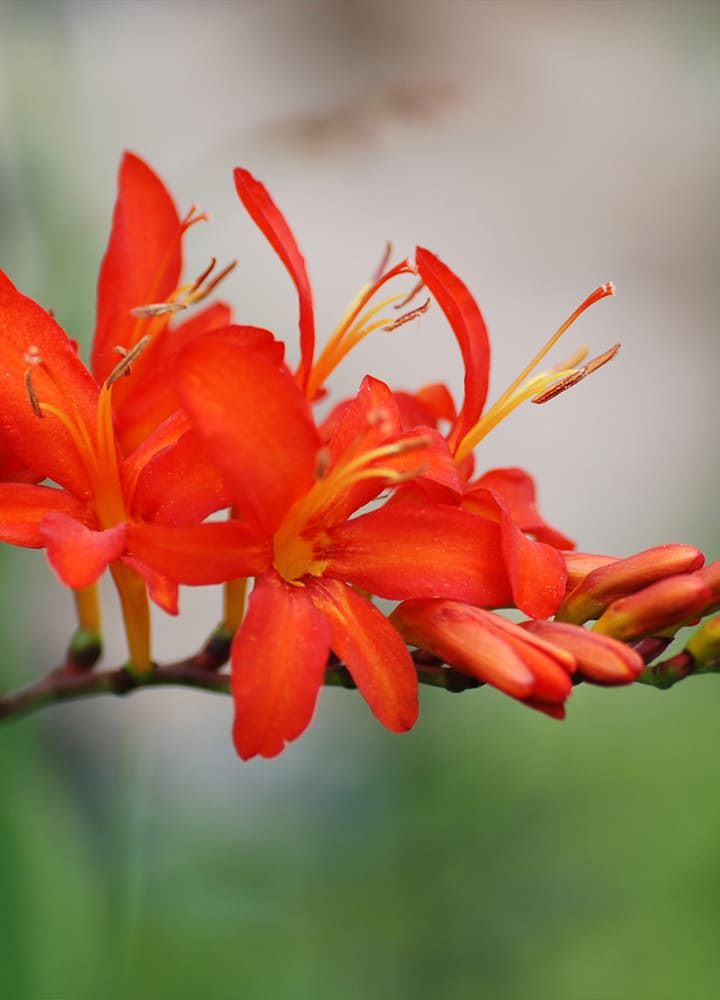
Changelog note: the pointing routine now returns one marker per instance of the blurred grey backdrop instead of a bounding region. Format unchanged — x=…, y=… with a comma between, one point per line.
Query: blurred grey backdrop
x=540, y=148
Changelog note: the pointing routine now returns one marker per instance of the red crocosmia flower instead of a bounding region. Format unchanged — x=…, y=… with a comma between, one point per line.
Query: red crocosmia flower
x=300, y=493
x=361, y=318
x=59, y=422
x=140, y=293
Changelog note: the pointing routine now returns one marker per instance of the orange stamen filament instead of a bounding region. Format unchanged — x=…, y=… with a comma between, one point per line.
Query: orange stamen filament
x=526, y=387
x=324, y=491
x=354, y=327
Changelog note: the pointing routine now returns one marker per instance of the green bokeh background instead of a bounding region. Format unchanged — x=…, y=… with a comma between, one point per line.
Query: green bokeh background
x=490, y=853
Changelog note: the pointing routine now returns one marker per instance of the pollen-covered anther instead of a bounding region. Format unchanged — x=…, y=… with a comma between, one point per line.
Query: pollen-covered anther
x=577, y=376
x=37, y=410
x=156, y=309
x=199, y=290
x=128, y=359
x=408, y=316
x=413, y=293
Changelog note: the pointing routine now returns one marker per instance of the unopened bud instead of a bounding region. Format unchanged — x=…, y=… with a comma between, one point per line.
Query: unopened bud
x=704, y=646
x=581, y=564
x=600, y=658
x=488, y=647
x=711, y=576
x=659, y=608
x=602, y=586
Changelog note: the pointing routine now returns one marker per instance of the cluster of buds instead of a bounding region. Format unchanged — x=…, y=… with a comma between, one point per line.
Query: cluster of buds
x=188, y=453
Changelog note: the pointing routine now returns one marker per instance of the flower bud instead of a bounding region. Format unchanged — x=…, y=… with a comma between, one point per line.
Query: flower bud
x=658, y=608
x=600, y=658
x=704, y=646
x=711, y=575
x=604, y=585
x=490, y=648
x=581, y=564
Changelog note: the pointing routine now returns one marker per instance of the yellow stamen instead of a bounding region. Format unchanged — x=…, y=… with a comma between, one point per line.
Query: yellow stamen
x=136, y=616
x=295, y=554
x=234, y=597
x=539, y=386
x=87, y=607
x=356, y=324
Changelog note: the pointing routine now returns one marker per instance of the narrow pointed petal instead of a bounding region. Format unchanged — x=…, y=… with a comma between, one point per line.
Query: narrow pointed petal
x=23, y=507
x=200, y=554
x=254, y=421
x=537, y=571
x=142, y=263
x=517, y=489
x=414, y=550
x=271, y=222
x=373, y=652
x=80, y=555
x=468, y=325
x=278, y=664
x=58, y=378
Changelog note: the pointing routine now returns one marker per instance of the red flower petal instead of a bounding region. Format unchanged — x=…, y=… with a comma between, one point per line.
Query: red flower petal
x=468, y=325
x=80, y=555
x=373, y=652
x=414, y=550
x=517, y=488
x=179, y=485
x=255, y=422
x=200, y=554
x=58, y=377
x=23, y=507
x=142, y=263
x=272, y=223
x=537, y=571
x=163, y=592
x=278, y=663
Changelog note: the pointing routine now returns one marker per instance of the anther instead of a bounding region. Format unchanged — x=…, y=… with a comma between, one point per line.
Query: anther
x=156, y=309
x=408, y=316
x=198, y=295
x=415, y=290
x=206, y=273
x=577, y=376
x=129, y=357
x=31, y=392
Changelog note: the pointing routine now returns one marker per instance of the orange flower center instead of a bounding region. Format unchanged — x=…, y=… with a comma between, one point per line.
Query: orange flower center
x=301, y=542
